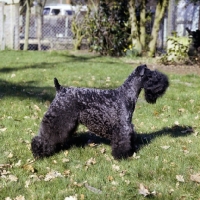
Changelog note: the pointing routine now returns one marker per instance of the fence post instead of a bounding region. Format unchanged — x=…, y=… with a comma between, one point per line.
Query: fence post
x=66, y=26
x=16, y=27
x=171, y=17
x=2, y=38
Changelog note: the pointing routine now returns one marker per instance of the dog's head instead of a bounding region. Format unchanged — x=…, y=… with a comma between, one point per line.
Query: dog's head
x=155, y=85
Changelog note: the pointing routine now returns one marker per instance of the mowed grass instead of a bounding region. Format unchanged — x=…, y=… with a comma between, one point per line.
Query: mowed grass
x=167, y=166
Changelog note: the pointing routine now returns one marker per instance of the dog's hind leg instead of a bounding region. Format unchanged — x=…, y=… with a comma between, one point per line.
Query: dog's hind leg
x=54, y=133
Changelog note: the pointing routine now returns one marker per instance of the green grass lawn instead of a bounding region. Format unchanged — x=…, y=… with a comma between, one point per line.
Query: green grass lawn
x=167, y=166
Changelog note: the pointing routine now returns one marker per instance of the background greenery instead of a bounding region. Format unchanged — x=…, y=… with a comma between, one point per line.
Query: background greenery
x=167, y=165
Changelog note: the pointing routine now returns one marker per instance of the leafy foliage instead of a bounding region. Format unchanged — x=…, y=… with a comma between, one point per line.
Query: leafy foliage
x=108, y=29
x=131, y=52
x=177, y=50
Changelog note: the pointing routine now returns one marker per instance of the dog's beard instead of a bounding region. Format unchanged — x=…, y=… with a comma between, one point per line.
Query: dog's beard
x=152, y=97
x=155, y=87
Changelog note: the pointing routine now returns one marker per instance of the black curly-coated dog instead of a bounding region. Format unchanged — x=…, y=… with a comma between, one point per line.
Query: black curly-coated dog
x=107, y=113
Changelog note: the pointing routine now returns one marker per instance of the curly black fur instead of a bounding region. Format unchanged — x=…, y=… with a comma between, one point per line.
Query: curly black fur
x=107, y=113
x=155, y=86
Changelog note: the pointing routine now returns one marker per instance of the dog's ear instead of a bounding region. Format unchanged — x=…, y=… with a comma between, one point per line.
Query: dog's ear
x=142, y=69
x=57, y=85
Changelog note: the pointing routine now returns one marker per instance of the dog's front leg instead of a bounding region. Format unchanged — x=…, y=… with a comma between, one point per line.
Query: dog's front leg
x=123, y=142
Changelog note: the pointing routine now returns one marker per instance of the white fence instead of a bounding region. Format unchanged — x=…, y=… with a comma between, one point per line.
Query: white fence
x=9, y=26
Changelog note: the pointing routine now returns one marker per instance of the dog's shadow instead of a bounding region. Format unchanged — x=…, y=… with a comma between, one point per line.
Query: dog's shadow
x=86, y=138
x=174, y=131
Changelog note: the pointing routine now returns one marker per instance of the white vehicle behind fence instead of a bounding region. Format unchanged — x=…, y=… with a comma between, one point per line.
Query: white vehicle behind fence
x=58, y=18
x=64, y=10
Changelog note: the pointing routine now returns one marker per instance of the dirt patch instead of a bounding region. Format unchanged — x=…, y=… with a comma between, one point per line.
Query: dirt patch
x=152, y=63
x=177, y=69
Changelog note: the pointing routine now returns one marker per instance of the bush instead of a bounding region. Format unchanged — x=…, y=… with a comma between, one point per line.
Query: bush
x=108, y=29
x=131, y=52
x=177, y=50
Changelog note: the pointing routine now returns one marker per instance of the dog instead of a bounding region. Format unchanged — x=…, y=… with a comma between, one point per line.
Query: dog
x=107, y=113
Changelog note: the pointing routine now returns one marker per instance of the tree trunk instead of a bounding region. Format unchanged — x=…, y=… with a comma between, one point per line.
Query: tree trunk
x=39, y=11
x=27, y=26
x=134, y=28
x=143, y=23
x=160, y=11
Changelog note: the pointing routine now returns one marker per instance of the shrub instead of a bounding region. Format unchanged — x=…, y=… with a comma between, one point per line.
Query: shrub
x=131, y=52
x=108, y=29
x=177, y=50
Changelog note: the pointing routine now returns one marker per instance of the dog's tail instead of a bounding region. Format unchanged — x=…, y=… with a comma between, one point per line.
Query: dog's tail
x=57, y=85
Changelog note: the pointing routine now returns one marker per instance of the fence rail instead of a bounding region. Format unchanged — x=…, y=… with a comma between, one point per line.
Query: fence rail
x=56, y=33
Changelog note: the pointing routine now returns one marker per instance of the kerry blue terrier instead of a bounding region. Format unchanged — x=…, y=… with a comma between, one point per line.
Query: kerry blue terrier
x=107, y=113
